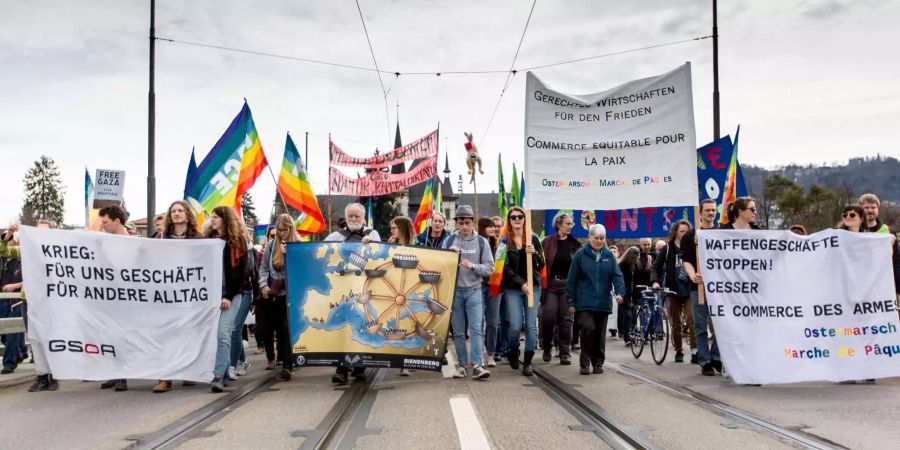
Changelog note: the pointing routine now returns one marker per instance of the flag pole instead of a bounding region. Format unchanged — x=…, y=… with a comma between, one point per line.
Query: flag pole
x=329, y=183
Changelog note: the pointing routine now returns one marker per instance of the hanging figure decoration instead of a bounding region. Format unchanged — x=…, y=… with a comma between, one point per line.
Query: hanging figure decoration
x=472, y=157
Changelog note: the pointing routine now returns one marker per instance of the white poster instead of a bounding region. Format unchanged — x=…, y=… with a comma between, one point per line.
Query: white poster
x=103, y=306
x=109, y=187
x=632, y=146
x=789, y=308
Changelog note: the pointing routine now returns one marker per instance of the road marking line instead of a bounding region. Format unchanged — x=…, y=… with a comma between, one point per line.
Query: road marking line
x=471, y=434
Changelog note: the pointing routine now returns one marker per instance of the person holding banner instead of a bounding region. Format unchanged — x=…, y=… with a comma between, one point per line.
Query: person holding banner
x=11, y=283
x=356, y=231
x=852, y=219
x=741, y=215
x=402, y=233
x=435, y=235
x=516, y=288
x=593, y=279
x=873, y=224
x=112, y=221
x=272, y=275
x=669, y=271
x=178, y=223
x=555, y=317
x=236, y=290
x=707, y=353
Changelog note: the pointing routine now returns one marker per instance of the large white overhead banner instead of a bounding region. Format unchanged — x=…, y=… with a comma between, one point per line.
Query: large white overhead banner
x=632, y=146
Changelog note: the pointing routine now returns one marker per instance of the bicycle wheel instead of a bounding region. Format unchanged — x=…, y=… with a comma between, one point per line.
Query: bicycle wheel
x=659, y=335
x=641, y=319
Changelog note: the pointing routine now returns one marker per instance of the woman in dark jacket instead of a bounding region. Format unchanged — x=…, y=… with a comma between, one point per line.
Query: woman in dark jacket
x=516, y=288
x=668, y=269
x=555, y=317
x=636, y=269
x=487, y=229
x=272, y=273
x=592, y=278
x=236, y=292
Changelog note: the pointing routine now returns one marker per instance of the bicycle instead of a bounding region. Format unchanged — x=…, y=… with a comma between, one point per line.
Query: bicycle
x=651, y=324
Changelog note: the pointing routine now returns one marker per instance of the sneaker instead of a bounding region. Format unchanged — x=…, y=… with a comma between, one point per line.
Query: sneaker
x=707, y=370
x=576, y=347
x=694, y=359
x=162, y=386
x=868, y=381
x=53, y=384
x=404, y=372
x=584, y=371
x=286, y=374
x=231, y=373
x=489, y=360
x=121, y=385
x=40, y=384
x=679, y=357
x=497, y=357
x=109, y=384
x=270, y=365
x=359, y=373
x=598, y=368
x=339, y=378
x=7, y=370
x=460, y=372
x=480, y=373
x=717, y=366
x=216, y=385
x=565, y=360
x=259, y=351
x=548, y=355
x=241, y=368
x=527, y=370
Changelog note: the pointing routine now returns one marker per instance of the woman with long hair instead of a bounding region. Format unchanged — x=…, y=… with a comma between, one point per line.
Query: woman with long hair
x=516, y=288
x=852, y=219
x=236, y=292
x=668, y=269
x=488, y=229
x=559, y=248
x=741, y=215
x=636, y=268
x=402, y=232
x=272, y=273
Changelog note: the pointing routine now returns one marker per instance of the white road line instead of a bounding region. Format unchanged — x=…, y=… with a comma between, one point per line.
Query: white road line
x=471, y=434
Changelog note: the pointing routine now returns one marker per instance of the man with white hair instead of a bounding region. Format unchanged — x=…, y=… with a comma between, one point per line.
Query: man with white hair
x=355, y=232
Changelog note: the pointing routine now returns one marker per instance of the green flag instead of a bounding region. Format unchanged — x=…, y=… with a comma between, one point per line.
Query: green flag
x=516, y=200
x=501, y=197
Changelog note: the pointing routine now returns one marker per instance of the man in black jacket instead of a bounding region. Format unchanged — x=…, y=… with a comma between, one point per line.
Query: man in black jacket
x=707, y=354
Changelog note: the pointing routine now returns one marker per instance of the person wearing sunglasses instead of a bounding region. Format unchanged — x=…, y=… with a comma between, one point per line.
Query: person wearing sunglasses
x=852, y=219
x=741, y=215
x=516, y=288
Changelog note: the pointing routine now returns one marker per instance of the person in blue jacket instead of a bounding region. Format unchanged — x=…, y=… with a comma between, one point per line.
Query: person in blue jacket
x=593, y=277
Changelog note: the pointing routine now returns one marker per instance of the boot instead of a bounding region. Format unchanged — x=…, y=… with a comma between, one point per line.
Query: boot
x=526, y=366
x=514, y=359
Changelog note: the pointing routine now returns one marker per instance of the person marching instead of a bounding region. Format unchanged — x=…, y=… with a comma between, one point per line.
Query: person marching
x=435, y=235
x=272, y=273
x=356, y=231
x=873, y=224
x=237, y=288
x=593, y=277
x=556, y=320
x=516, y=288
x=488, y=229
x=402, y=233
x=475, y=263
x=112, y=221
x=668, y=271
x=178, y=223
x=707, y=352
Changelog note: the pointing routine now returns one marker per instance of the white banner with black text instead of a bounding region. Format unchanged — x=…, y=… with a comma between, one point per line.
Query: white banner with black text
x=102, y=306
x=790, y=308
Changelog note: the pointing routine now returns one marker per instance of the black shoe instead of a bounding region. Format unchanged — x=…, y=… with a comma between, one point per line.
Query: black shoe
x=339, y=378
x=565, y=360
x=584, y=371
x=707, y=370
x=576, y=347
x=612, y=333
x=7, y=370
x=598, y=368
x=53, y=384
x=548, y=354
x=444, y=361
x=514, y=360
x=694, y=359
x=359, y=373
x=286, y=374
x=526, y=370
x=109, y=384
x=679, y=357
x=40, y=384
x=716, y=365
x=121, y=385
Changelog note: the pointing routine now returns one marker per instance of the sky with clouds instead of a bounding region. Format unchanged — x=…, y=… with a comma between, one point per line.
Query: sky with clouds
x=808, y=81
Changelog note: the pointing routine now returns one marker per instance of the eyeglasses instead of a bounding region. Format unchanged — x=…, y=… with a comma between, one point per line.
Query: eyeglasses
x=393, y=228
x=753, y=210
x=850, y=215
x=517, y=217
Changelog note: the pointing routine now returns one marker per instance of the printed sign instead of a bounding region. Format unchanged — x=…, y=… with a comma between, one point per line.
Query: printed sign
x=426, y=147
x=109, y=187
x=380, y=183
x=624, y=223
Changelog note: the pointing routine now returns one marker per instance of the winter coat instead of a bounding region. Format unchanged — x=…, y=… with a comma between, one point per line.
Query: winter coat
x=592, y=278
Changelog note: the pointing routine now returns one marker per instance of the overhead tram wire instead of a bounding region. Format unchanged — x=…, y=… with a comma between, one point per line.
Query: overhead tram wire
x=387, y=115
x=621, y=52
x=509, y=75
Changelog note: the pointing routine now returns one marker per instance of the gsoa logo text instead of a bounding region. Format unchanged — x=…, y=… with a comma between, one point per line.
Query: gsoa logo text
x=59, y=345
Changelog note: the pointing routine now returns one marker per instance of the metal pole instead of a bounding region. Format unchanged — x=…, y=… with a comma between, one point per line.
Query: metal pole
x=151, y=129
x=329, y=183
x=715, y=38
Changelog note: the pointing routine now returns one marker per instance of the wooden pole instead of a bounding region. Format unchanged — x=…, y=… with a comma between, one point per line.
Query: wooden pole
x=701, y=298
x=329, y=183
x=528, y=258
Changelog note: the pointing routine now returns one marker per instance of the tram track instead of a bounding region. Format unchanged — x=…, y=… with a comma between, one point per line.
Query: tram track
x=346, y=420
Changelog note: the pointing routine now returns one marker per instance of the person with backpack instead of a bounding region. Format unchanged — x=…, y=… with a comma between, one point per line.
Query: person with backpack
x=356, y=231
x=476, y=262
x=669, y=271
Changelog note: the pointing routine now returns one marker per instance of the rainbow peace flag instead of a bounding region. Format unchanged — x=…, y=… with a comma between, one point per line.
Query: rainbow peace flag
x=496, y=278
x=729, y=195
x=425, y=208
x=230, y=168
x=298, y=193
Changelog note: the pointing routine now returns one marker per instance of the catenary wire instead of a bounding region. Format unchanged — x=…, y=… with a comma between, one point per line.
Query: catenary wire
x=384, y=92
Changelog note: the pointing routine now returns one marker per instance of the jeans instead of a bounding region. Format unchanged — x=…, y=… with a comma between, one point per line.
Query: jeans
x=516, y=309
x=15, y=341
x=592, y=325
x=556, y=320
x=705, y=352
x=468, y=303
x=492, y=320
x=677, y=307
x=626, y=319
x=237, y=338
x=503, y=343
x=223, y=336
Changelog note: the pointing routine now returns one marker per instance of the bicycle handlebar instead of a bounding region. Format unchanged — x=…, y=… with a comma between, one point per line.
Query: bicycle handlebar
x=645, y=288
